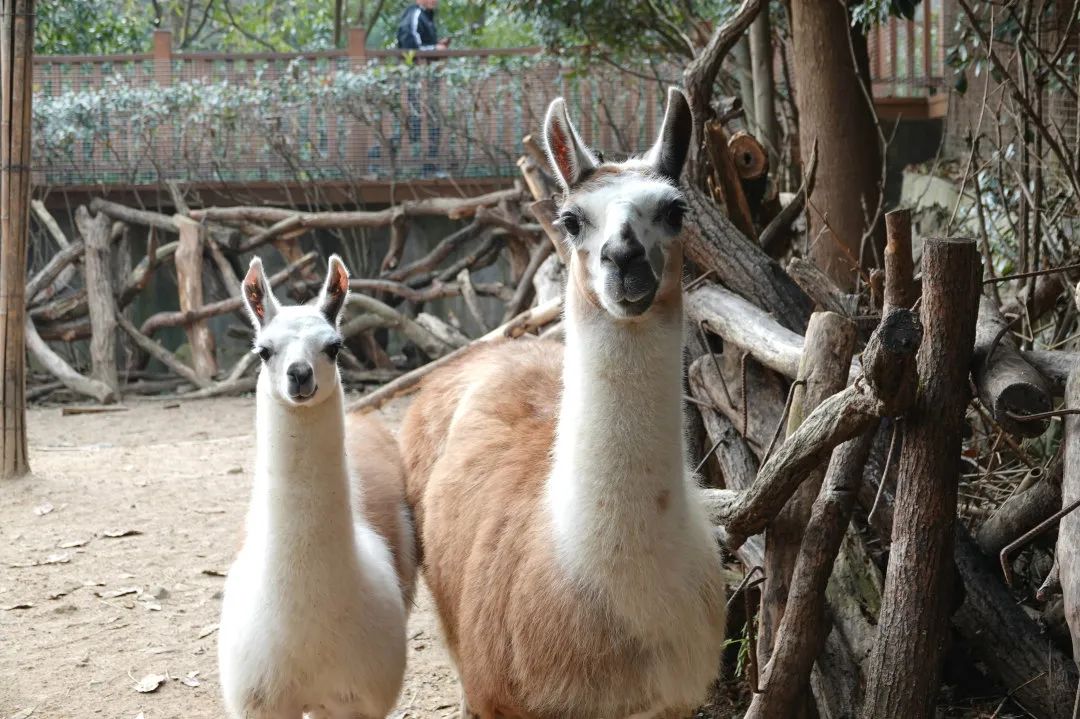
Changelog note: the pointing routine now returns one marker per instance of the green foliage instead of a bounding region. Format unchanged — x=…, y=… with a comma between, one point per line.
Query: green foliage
x=89, y=27
x=669, y=27
x=875, y=12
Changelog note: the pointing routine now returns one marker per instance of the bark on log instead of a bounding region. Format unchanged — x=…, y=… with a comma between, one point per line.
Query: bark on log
x=1022, y=511
x=1008, y=385
x=99, y=291
x=428, y=343
x=746, y=326
x=1006, y=641
x=159, y=353
x=900, y=288
x=53, y=269
x=1068, y=545
x=727, y=178
x=776, y=238
x=1054, y=365
x=451, y=207
x=710, y=374
x=802, y=630
x=189, y=267
x=886, y=388
x=60, y=369
x=176, y=319
x=905, y=667
x=823, y=371
x=134, y=216
x=820, y=287
x=406, y=383
x=741, y=265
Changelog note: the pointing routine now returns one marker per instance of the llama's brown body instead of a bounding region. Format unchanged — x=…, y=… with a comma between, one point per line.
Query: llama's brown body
x=378, y=476
x=527, y=643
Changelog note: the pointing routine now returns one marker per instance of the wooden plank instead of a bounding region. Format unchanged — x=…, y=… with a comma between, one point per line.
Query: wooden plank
x=99, y=290
x=189, y=267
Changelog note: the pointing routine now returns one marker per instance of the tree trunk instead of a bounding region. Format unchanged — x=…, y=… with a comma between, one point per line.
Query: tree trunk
x=16, y=56
x=189, y=267
x=761, y=59
x=905, y=667
x=830, y=343
x=99, y=295
x=834, y=112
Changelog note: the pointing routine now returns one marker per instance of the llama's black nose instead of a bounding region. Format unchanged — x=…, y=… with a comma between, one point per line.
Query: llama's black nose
x=301, y=379
x=630, y=278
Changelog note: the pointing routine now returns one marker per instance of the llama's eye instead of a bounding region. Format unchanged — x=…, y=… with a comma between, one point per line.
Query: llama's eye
x=571, y=223
x=264, y=352
x=332, y=349
x=673, y=214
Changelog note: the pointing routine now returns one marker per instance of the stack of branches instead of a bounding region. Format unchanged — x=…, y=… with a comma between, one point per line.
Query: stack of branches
x=78, y=295
x=816, y=461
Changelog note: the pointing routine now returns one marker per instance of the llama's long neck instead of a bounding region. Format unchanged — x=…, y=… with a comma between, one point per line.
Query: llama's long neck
x=302, y=495
x=618, y=492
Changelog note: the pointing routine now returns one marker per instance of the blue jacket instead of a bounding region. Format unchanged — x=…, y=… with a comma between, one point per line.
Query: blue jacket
x=416, y=30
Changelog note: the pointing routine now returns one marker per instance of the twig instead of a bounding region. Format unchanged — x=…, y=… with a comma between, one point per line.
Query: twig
x=1006, y=565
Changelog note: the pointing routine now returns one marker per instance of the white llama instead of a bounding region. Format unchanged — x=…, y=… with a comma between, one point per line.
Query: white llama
x=313, y=618
x=573, y=567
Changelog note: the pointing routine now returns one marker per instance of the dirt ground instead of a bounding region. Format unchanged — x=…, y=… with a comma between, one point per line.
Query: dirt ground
x=112, y=561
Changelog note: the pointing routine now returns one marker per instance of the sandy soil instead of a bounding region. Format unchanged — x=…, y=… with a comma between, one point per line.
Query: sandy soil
x=112, y=560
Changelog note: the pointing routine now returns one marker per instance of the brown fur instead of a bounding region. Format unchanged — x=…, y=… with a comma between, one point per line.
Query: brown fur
x=380, y=485
x=521, y=637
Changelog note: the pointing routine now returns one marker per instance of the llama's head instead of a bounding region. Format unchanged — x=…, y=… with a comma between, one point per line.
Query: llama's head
x=298, y=345
x=622, y=221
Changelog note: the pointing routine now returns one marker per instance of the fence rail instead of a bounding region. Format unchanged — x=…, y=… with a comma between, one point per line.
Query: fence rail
x=357, y=115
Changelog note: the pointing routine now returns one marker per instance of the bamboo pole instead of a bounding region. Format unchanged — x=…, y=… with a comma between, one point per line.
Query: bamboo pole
x=16, y=61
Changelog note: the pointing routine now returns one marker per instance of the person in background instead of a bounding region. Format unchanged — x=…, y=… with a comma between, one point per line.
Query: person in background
x=417, y=29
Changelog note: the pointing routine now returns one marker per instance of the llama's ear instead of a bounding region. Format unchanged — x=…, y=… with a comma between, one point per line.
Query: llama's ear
x=335, y=290
x=566, y=152
x=669, y=153
x=259, y=300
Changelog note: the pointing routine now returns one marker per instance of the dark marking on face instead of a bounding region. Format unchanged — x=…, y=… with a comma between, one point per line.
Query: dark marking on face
x=663, y=499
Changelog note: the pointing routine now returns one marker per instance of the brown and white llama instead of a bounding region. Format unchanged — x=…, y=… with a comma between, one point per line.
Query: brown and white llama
x=313, y=618
x=573, y=567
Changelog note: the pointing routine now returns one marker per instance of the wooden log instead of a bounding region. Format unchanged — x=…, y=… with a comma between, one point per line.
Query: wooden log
x=727, y=178
x=440, y=252
x=1005, y=640
x=99, y=292
x=60, y=369
x=53, y=270
x=399, y=232
x=738, y=263
x=904, y=669
x=1008, y=385
x=886, y=389
x=776, y=238
x=132, y=216
x=1022, y=511
x=820, y=287
x=747, y=327
x=802, y=629
x=66, y=269
x=431, y=345
x=454, y=208
x=900, y=290
x=1068, y=545
x=540, y=252
x=449, y=335
x=710, y=375
x=1054, y=365
x=530, y=319
x=158, y=352
x=823, y=372
x=189, y=269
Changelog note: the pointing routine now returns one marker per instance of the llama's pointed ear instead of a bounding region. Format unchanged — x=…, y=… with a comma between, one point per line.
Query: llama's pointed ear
x=259, y=300
x=335, y=290
x=566, y=152
x=669, y=153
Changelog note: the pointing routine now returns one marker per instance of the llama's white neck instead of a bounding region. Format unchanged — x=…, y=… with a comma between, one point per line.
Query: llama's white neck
x=618, y=492
x=302, y=494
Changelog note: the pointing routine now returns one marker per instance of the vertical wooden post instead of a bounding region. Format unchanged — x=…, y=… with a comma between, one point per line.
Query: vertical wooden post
x=830, y=342
x=189, y=270
x=163, y=57
x=904, y=669
x=16, y=65
x=357, y=138
x=357, y=46
x=99, y=294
